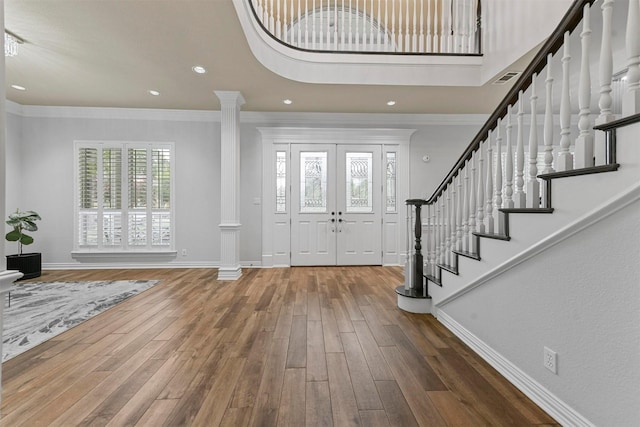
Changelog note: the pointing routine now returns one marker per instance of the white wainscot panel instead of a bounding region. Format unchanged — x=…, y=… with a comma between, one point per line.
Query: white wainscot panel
x=369, y=232
x=391, y=238
x=303, y=237
x=322, y=237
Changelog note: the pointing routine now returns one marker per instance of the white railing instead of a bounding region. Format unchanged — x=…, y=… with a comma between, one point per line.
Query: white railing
x=391, y=26
x=482, y=181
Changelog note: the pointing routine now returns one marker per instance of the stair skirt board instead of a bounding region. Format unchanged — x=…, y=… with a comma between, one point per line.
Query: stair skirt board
x=555, y=407
x=608, y=208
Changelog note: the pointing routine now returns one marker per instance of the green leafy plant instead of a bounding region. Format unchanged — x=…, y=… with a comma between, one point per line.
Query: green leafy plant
x=21, y=222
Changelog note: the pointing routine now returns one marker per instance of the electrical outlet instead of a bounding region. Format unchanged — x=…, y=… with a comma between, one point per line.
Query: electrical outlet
x=551, y=360
x=184, y=252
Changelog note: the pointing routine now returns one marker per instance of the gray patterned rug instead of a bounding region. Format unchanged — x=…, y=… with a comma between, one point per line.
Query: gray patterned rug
x=40, y=311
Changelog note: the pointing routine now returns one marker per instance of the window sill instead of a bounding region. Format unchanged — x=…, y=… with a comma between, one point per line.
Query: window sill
x=124, y=255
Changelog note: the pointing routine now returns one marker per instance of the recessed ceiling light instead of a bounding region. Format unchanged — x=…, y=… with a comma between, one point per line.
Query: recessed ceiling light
x=18, y=87
x=154, y=92
x=199, y=69
x=288, y=101
x=391, y=103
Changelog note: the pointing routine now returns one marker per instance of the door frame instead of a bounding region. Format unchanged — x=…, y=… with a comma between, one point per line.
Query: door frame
x=276, y=245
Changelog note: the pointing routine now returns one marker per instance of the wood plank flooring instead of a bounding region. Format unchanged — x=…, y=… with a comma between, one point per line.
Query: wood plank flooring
x=312, y=346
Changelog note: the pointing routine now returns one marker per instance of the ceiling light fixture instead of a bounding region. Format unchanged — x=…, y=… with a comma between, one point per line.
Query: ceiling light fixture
x=391, y=103
x=199, y=69
x=18, y=87
x=11, y=42
x=154, y=92
x=288, y=101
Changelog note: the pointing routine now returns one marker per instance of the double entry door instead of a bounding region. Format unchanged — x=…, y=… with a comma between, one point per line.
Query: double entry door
x=336, y=196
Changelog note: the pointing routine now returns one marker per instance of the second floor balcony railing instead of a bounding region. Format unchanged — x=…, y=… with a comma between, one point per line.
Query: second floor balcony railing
x=450, y=27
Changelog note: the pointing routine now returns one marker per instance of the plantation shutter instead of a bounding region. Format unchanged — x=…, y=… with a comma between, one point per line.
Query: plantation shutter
x=124, y=196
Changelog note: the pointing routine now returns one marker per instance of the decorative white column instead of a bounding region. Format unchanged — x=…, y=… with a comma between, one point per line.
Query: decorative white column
x=584, y=143
x=230, y=102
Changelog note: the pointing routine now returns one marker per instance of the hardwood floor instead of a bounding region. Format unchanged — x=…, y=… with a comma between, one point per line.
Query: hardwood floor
x=279, y=347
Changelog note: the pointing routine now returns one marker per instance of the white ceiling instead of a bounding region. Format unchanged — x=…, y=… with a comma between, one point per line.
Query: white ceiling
x=109, y=53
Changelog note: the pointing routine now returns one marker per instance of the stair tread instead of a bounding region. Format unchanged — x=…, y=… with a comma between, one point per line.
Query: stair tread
x=493, y=236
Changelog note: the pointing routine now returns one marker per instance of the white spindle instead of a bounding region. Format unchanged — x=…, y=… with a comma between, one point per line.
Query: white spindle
x=443, y=24
x=328, y=26
x=480, y=217
x=519, y=197
x=447, y=250
x=472, y=204
x=379, y=44
x=548, y=121
x=414, y=34
x=472, y=26
x=283, y=24
x=533, y=186
x=400, y=28
x=278, y=33
x=584, y=143
x=498, y=177
x=508, y=165
x=350, y=42
x=464, y=245
x=456, y=26
x=371, y=34
x=436, y=236
x=459, y=213
x=421, y=39
x=565, y=158
x=306, y=24
x=631, y=99
x=489, y=188
x=436, y=30
x=272, y=21
x=454, y=220
x=449, y=29
x=393, y=26
x=606, y=76
x=406, y=40
x=313, y=29
x=443, y=230
x=429, y=36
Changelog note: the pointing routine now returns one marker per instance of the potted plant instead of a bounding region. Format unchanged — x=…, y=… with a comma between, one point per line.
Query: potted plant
x=28, y=264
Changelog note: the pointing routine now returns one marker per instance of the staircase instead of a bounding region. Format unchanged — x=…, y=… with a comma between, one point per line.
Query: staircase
x=531, y=246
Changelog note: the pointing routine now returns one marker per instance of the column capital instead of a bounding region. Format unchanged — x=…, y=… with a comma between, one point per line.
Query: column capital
x=230, y=98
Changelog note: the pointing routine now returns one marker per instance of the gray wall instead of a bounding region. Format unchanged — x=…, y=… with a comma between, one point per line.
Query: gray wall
x=40, y=168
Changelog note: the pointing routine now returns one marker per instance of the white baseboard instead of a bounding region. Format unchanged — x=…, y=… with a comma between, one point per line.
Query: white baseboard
x=550, y=403
x=122, y=265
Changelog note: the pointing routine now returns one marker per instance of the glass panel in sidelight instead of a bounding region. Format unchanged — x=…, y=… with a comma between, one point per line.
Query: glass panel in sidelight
x=281, y=181
x=391, y=182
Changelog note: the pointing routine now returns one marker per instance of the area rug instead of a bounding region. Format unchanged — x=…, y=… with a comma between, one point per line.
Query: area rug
x=39, y=311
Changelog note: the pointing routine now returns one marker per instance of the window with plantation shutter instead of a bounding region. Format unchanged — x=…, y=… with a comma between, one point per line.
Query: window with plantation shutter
x=124, y=197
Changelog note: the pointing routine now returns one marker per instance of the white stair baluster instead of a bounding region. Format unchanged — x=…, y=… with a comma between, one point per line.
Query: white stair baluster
x=489, y=188
x=533, y=186
x=459, y=212
x=508, y=165
x=472, y=205
x=565, y=158
x=447, y=234
x=299, y=43
x=498, y=179
x=372, y=38
x=584, y=143
x=464, y=245
x=606, y=75
x=454, y=221
x=443, y=230
x=313, y=26
x=272, y=22
x=350, y=42
x=400, y=45
x=631, y=99
x=449, y=48
x=443, y=24
x=414, y=33
x=480, y=216
x=548, y=121
x=519, y=197
x=386, y=25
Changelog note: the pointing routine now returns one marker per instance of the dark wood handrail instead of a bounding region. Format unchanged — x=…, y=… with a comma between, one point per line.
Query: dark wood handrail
x=569, y=22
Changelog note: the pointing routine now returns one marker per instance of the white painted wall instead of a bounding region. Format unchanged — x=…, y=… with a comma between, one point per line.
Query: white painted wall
x=579, y=298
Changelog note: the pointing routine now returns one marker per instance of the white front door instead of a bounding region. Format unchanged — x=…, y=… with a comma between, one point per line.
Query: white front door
x=336, y=197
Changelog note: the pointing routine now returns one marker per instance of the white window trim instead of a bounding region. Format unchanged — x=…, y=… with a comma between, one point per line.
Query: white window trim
x=79, y=251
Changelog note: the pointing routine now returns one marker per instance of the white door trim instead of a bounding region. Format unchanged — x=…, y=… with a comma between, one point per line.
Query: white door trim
x=276, y=226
